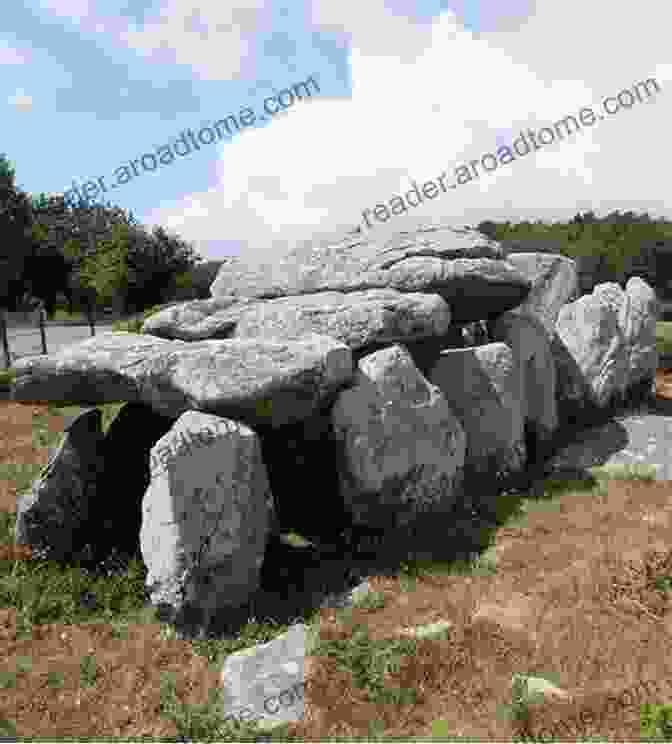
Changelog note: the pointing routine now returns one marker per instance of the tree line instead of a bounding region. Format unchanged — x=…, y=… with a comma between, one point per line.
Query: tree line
x=612, y=248
x=93, y=254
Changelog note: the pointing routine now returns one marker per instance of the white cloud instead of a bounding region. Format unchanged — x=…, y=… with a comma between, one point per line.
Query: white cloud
x=211, y=37
x=9, y=55
x=21, y=102
x=453, y=97
x=371, y=26
x=72, y=9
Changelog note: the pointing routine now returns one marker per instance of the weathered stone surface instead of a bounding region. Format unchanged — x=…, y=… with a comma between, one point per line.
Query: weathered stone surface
x=206, y=515
x=483, y=385
x=266, y=683
x=444, y=241
x=554, y=283
x=475, y=288
x=198, y=320
x=526, y=336
x=639, y=313
x=425, y=353
x=573, y=395
x=357, y=319
x=50, y=516
x=402, y=447
x=604, y=348
x=116, y=514
x=589, y=328
x=252, y=380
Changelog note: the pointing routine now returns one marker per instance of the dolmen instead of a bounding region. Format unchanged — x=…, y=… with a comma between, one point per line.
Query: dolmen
x=351, y=383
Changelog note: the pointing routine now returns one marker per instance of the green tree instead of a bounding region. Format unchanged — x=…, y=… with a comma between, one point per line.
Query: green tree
x=130, y=264
x=156, y=261
x=16, y=221
x=107, y=271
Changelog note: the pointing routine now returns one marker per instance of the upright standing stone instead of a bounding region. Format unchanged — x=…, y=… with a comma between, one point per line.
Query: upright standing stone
x=206, y=515
x=554, y=283
x=638, y=317
x=590, y=330
x=527, y=338
x=51, y=516
x=483, y=386
x=402, y=447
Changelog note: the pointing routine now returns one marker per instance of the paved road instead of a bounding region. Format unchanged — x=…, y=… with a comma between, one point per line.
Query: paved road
x=27, y=341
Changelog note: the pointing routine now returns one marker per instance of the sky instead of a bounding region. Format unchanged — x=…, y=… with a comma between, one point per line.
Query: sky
x=407, y=91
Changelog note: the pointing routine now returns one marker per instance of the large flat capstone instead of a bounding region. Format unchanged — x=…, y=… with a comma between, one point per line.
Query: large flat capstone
x=357, y=319
x=267, y=381
x=443, y=260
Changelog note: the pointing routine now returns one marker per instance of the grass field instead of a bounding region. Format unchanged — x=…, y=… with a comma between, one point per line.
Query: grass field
x=556, y=549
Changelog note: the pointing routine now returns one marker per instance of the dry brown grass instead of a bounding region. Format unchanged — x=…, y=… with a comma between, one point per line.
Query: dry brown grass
x=576, y=595
x=573, y=596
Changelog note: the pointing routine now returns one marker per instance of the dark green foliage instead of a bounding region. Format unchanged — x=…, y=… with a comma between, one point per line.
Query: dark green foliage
x=611, y=248
x=15, y=226
x=656, y=722
x=91, y=253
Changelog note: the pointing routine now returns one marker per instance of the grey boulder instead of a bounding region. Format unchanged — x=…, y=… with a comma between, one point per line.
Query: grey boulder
x=357, y=319
x=638, y=317
x=263, y=381
x=554, y=283
x=206, y=516
x=590, y=330
x=51, y=517
x=483, y=386
x=198, y=320
x=266, y=683
x=445, y=261
x=402, y=449
x=527, y=338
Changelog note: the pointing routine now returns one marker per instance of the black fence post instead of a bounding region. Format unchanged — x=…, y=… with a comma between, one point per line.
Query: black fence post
x=91, y=319
x=5, y=340
x=42, y=314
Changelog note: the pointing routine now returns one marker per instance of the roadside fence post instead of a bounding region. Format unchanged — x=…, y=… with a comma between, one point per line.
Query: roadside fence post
x=42, y=314
x=5, y=340
x=92, y=322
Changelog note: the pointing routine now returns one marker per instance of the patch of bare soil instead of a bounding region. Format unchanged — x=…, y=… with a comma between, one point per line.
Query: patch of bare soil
x=664, y=383
x=579, y=594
